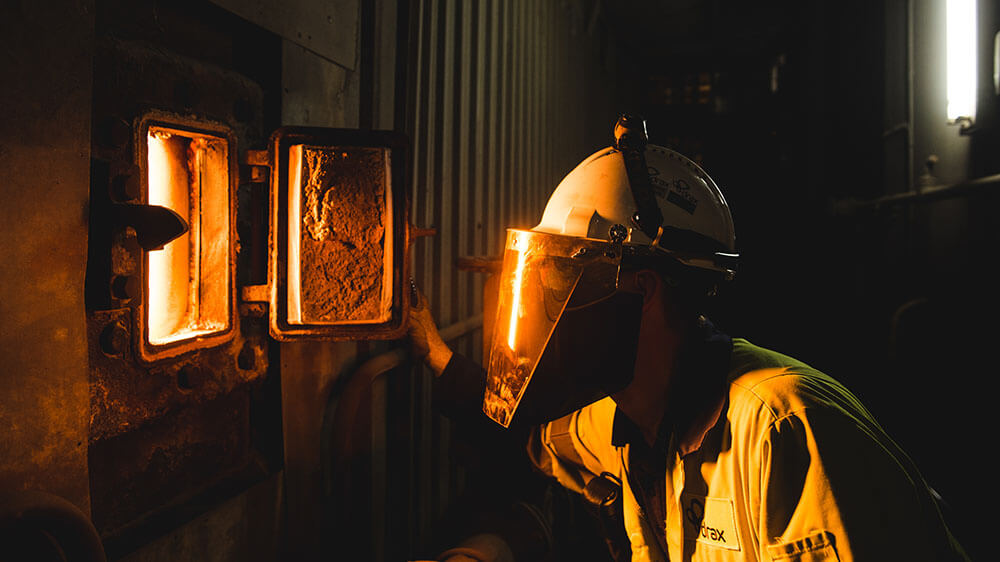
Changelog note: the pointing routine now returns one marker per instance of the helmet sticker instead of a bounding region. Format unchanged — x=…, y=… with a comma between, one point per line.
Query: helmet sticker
x=677, y=192
x=681, y=196
x=684, y=201
x=657, y=183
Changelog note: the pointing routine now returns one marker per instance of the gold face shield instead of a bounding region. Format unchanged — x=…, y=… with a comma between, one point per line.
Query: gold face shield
x=549, y=327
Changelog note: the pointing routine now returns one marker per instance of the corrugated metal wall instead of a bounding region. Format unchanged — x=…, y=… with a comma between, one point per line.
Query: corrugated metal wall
x=503, y=99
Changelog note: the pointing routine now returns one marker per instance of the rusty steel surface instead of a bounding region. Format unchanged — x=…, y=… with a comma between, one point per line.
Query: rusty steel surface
x=125, y=395
x=130, y=387
x=167, y=460
x=173, y=433
x=44, y=160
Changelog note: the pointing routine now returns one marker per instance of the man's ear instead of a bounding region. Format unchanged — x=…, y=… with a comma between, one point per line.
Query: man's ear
x=648, y=284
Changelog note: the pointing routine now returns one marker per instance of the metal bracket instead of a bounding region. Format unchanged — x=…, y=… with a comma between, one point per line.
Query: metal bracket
x=155, y=226
x=254, y=300
x=256, y=165
x=418, y=232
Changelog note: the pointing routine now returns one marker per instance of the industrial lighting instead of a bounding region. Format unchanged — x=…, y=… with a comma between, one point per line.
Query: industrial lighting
x=996, y=63
x=960, y=21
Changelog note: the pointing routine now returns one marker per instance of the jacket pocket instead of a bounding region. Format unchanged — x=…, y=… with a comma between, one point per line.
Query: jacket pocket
x=817, y=547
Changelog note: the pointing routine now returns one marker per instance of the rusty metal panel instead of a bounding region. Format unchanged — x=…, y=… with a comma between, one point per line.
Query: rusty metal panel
x=142, y=468
x=316, y=92
x=45, y=163
x=164, y=433
x=329, y=29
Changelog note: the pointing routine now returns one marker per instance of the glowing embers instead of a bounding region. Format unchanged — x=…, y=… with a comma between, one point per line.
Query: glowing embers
x=340, y=235
x=188, y=282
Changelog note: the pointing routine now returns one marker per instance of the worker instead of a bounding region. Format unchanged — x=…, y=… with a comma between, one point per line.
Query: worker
x=723, y=450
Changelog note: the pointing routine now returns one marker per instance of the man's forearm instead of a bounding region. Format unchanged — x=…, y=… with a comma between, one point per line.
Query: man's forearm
x=458, y=387
x=438, y=359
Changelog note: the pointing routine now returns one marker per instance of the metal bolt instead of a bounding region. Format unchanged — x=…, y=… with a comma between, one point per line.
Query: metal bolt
x=258, y=174
x=117, y=132
x=247, y=359
x=126, y=186
x=189, y=377
x=125, y=287
x=618, y=233
x=114, y=339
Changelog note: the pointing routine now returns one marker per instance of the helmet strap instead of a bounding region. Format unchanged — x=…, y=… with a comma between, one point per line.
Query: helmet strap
x=631, y=139
x=656, y=240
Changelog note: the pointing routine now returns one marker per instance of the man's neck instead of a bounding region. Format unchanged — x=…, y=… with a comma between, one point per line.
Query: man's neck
x=646, y=398
x=666, y=385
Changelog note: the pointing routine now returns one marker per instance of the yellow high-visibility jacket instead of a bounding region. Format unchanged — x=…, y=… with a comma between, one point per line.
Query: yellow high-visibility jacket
x=793, y=467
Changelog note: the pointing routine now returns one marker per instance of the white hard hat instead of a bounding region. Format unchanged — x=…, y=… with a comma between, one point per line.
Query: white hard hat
x=696, y=226
x=561, y=319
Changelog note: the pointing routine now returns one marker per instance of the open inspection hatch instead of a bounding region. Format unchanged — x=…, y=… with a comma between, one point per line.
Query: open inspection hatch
x=189, y=283
x=337, y=243
x=338, y=234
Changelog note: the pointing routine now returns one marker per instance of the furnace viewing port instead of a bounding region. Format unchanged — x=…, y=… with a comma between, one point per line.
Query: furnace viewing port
x=189, y=283
x=337, y=240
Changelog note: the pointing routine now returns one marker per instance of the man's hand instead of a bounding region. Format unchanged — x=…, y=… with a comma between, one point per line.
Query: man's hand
x=425, y=340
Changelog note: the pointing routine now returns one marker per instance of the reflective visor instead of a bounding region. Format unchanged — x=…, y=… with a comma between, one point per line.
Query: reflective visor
x=543, y=276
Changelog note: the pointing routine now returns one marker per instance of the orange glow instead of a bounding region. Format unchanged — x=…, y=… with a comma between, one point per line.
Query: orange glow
x=515, y=308
x=188, y=285
x=340, y=235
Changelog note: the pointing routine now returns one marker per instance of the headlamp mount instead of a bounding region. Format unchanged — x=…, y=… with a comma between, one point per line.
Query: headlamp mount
x=630, y=140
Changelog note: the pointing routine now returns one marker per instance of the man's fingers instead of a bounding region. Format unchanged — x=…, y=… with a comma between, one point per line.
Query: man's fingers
x=414, y=294
x=417, y=299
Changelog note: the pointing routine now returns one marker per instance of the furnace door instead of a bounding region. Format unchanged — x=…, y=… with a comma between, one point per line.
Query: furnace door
x=338, y=234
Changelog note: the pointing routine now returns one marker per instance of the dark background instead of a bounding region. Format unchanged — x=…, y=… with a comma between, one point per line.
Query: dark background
x=798, y=109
